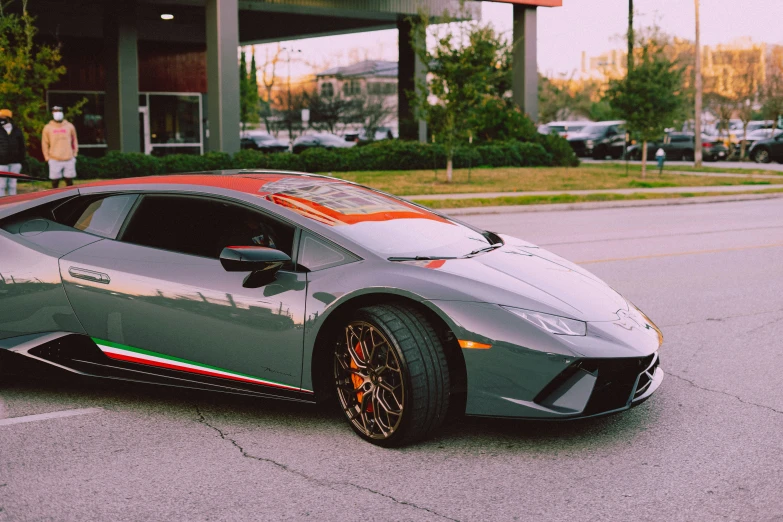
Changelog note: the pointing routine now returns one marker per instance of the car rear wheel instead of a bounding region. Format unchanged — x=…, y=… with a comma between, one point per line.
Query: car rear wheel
x=391, y=375
x=687, y=155
x=761, y=155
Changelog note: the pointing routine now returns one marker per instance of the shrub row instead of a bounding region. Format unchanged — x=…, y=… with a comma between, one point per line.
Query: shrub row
x=384, y=155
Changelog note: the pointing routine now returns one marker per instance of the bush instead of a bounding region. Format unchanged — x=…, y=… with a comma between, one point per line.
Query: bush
x=382, y=155
x=560, y=150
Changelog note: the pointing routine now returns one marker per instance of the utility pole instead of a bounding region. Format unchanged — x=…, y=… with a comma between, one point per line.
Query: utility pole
x=697, y=156
x=630, y=36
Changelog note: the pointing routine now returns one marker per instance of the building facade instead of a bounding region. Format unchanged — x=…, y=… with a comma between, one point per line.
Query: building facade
x=160, y=76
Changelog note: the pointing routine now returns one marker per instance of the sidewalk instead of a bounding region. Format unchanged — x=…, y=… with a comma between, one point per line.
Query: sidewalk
x=596, y=205
x=658, y=190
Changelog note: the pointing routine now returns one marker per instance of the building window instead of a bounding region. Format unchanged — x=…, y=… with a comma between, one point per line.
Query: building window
x=381, y=88
x=90, y=127
x=327, y=89
x=174, y=119
x=352, y=87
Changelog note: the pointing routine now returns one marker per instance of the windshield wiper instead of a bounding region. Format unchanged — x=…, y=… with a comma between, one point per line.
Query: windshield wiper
x=419, y=258
x=485, y=249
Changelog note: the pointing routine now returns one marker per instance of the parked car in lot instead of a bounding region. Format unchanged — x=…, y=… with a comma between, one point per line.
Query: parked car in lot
x=563, y=128
x=761, y=134
x=680, y=146
x=381, y=133
x=322, y=140
x=767, y=150
x=263, y=142
x=599, y=140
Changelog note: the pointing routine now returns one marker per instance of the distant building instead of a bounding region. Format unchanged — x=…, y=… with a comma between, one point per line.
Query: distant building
x=369, y=78
x=160, y=76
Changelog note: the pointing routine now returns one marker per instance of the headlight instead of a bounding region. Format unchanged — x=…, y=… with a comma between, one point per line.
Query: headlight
x=589, y=144
x=551, y=323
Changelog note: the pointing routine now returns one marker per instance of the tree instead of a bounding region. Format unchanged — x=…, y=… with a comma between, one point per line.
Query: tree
x=269, y=78
x=468, y=68
x=698, y=95
x=723, y=109
x=772, y=93
x=372, y=111
x=27, y=70
x=648, y=98
x=249, y=101
x=562, y=99
x=328, y=113
x=746, y=89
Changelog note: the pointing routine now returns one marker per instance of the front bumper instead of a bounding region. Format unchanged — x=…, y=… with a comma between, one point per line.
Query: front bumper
x=529, y=373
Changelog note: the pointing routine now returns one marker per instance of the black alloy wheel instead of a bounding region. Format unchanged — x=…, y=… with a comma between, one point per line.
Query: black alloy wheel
x=761, y=155
x=391, y=375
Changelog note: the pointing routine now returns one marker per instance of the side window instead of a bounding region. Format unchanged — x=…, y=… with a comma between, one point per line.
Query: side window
x=317, y=254
x=202, y=226
x=102, y=216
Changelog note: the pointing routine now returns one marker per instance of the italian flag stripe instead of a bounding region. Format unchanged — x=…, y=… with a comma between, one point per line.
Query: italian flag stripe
x=122, y=352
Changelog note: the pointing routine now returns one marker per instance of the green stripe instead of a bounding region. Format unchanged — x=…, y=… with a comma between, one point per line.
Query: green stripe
x=177, y=359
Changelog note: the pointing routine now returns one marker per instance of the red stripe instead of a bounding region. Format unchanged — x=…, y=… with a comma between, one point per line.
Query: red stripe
x=169, y=366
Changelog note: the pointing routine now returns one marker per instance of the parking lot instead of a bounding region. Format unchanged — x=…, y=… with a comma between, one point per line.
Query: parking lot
x=707, y=446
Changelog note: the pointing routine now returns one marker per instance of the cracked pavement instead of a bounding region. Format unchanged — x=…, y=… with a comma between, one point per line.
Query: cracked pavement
x=706, y=446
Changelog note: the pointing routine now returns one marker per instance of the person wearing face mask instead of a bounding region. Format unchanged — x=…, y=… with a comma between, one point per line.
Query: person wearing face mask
x=60, y=148
x=16, y=151
x=5, y=148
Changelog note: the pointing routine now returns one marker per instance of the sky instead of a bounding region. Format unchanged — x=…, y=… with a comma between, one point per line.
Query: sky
x=593, y=26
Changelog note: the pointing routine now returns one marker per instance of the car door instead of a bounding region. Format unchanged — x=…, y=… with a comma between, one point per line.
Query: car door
x=159, y=295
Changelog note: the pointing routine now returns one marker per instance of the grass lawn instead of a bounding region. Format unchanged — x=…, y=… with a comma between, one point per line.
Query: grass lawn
x=584, y=177
x=707, y=166
x=514, y=179
x=570, y=198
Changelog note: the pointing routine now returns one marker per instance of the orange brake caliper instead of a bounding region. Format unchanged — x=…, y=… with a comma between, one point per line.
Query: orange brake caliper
x=357, y=381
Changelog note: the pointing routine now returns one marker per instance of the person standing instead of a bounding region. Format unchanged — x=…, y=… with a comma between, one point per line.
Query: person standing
x=16, y=150
x=5, y=146
x=60, y=148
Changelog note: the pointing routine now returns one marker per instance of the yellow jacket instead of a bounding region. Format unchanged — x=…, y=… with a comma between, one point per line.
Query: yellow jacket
x=59, y=141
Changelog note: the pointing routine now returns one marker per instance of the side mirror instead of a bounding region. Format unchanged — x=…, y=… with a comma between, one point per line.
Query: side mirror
x=262, y=263
x=252, y=259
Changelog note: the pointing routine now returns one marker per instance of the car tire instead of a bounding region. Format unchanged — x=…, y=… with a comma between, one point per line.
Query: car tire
x=687, y=155
x=761, y=155
x=599, y=154
x=399, y=392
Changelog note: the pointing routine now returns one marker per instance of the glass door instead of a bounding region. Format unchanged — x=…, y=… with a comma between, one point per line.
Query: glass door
x=144, y=129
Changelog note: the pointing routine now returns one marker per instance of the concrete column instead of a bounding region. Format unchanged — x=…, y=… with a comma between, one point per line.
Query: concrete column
x=223, y=75
x=411, y=69
x=525, y=60
x=121, y=113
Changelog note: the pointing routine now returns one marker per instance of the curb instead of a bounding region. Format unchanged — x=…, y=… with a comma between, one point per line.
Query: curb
x=597, y=205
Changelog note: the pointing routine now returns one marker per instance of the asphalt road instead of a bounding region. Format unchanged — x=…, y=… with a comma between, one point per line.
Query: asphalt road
x=707, y=446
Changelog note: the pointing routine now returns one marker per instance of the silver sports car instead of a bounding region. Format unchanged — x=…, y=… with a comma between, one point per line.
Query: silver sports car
x=310, y=288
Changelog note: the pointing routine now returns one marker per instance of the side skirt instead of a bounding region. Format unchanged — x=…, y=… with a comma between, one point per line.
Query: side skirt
x=96, y=358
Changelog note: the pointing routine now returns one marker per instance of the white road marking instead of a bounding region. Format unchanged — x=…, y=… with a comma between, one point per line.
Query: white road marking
x=47, y=416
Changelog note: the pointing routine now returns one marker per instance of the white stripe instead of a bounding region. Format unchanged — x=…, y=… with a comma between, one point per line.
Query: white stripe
x=120, y=351
x=46, y=416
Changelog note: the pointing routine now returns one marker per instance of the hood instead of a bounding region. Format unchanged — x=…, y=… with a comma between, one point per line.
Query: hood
x=523, y=275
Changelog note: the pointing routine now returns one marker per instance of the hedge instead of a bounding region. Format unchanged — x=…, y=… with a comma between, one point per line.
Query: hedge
x=383, y=155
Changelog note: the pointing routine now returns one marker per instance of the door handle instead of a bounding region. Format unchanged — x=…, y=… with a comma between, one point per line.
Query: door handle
x=89, y=275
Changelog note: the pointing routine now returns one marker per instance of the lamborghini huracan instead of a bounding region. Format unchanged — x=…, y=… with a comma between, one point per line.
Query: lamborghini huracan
x=310, y=288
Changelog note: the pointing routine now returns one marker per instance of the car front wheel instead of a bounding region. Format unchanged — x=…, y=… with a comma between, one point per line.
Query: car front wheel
x=391, y=375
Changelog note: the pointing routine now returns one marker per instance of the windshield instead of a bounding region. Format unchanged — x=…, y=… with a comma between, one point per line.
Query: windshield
x=388, y=226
